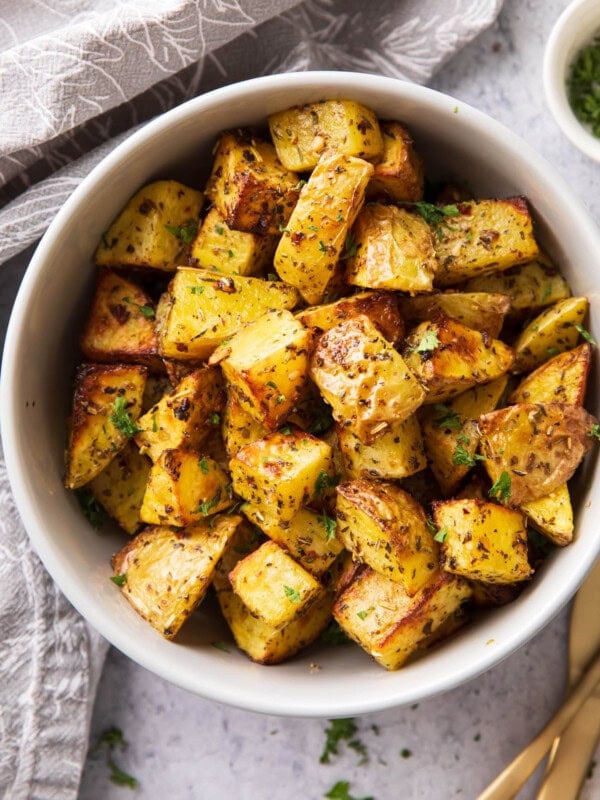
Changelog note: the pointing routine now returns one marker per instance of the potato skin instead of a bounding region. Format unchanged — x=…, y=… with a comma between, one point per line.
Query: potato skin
x=380, y=307
x=538, y=445
x=399, y=175
x=482, y=311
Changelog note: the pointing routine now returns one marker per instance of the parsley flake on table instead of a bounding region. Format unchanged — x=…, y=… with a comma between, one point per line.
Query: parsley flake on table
x=342, y=730
x=119, y=777
x=341, y=791
x=111, y=738
x=501, y=488
x=121, y=419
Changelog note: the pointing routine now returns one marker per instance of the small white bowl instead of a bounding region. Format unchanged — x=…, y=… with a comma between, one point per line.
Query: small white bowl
x=41, y=350
x=574, y=29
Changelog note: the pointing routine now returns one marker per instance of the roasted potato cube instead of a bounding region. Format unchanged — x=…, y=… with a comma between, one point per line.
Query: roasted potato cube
x=362, y=377
x=493, y=595
x=233, y=252
x=317, y=231
x=399, y=174
x=552, y=515
x=394, y=250
x=106, y=404
x=273, y=587
x=487, y=235
x=266, y=365
x=451, y=434
x=385, y=527
x=380, y=307
x=281, y=473
x=120, y=487
x=563, y=379
x=239, y=428
x=166, y=573
x=448, y=358
x=311, y=412
x=398, y=452
x=309, y=537
x=204, y=307
x=533, y=448
x=183, y=487
x=154, y=229
x=259, y=641
x=185, y=416
x=388, y=623
x=552, y=332
x=120, y=324
x=249, y=185
x=482, y=311
x=530, y=286
x=303, y=133
x=484, y=541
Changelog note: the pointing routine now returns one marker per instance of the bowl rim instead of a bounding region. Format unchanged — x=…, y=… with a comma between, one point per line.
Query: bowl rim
x=55, y=560
x=570, y=27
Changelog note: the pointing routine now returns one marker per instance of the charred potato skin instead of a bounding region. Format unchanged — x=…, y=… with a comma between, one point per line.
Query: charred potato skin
x=380, y=307
x=399, y=175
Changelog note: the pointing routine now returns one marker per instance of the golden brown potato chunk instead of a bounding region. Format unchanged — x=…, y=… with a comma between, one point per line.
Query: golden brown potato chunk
x=363, y=378
x=165, y=574
x=249, y=185
x=184, y=417
x=482, y=311
x=389, y=624
x=533, y=448
x=266, y=365
x=238, y=427
x=233, y=252
x=201, y=308
x=380, y=307
x=120, y=324
x=487, y=236
x=552, y=515
x=448, y=358
x=121, y=486
x=316, y=235
x=563, y=379
x=155, y=229
x=399, y=175
x=106, y=404
x=394, y=250
x=303, y=133
x=282, y=472
x=385, y=527
x=481, y=540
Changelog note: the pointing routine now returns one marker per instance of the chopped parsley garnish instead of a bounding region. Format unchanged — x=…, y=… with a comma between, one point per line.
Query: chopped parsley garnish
x=321, y=421
x=92, y=510
x=313, y=228
x=322, y=246
x=341, y=791
x=350, y=247
x=280, y=399
x=334, y=635
x=405, y=752
x=154, y=423
x=586, y=334
x=186, y=232
x=501, y=488
x=441, y=535
x=463, y=458
x=436, y=215
x=272, y=276
x=206, y=506
x=121, y=420
x=428, y=343
x=595, y=431
x=546, y=293
x=584, y=86
x=120, y=580
x=221, y=646
x=230, y=254
x=197, y=289
x=325, y=481
x=552, y=351
x=299, y=185
x=272, y=384
x=220, y=229
x=214, y=418
x=203, y=464
x=446, y=418
x=111, y=738
x=365, y=612
x=430, y=525
x=286, y=430
x=330, y=526
x=292, y=594
x=145, y=311
x=340, y=730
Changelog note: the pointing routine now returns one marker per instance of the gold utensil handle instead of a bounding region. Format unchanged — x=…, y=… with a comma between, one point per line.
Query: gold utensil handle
x=516, y=774
x=573, y=754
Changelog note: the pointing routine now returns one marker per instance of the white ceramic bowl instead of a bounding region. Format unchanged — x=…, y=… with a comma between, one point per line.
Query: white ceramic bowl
x=574, y=29
x=458, y=142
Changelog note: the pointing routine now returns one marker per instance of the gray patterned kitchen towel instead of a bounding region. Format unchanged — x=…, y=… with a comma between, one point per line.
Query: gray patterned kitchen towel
x=76, y=76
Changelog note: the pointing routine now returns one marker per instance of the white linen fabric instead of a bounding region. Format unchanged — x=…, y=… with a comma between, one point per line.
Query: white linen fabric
x=76, y=76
